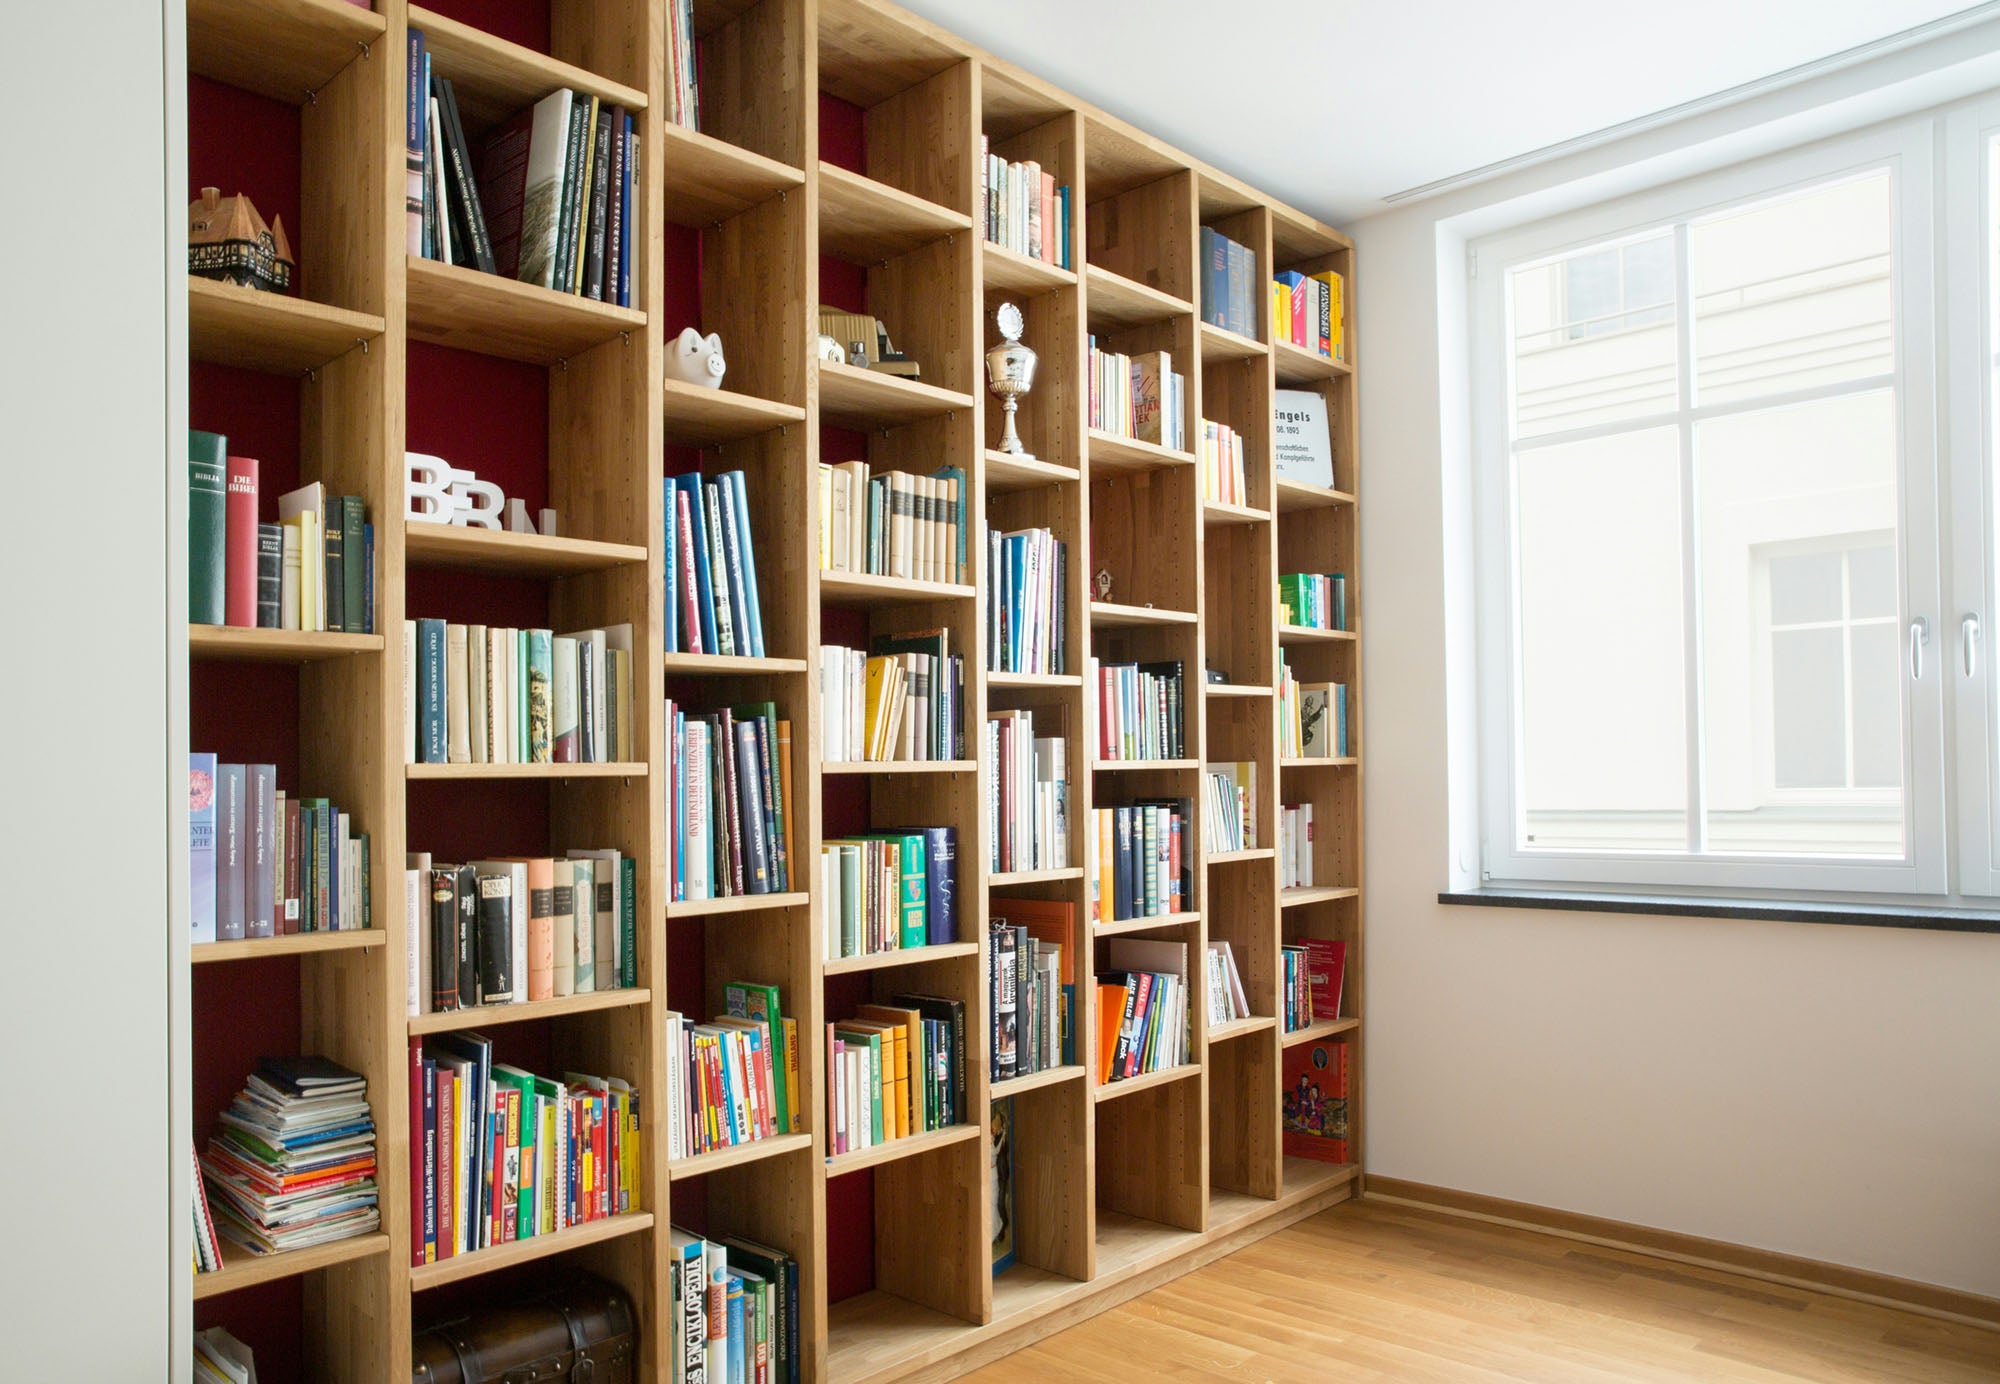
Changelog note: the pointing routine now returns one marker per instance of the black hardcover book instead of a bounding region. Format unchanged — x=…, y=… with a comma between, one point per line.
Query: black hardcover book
x=335, y=539
x=952, y=1013
x=1121, y=863
x=270, y=575
x=1061, y=638
x=616, y=216
x=444, y=940
x=465, y=935
x=576, y=155
x=756, y=840
x=470, y=243
x=600, y=191
x=1170, y=672
x=496, y=938
x=586, y=699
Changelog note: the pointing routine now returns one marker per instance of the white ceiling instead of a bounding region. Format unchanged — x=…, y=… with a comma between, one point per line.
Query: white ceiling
x=1333, y=105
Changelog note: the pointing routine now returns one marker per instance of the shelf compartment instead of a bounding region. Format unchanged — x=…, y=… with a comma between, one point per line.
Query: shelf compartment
x=728, y=665
x=1005, y=471
x=1316, y=893
x=909, y=1146
x=897, y=766
x=242, y=1269
x=464, y=548
x=777, y=1145
x=1297, y=495
x=880, y=1336
x=899, y=956
x=283, y=49
x=1324, y=1028
x=1035, y=1081
x=736, y=903
x=270, y=332
x=698, y=417
x=1305, y=1176
x=865, y=222
x=1107, y=766
x=1112, y=615
x=999, y=879
x=1235, y=689
x=862, y=399
x=482, y=1261
x=1125, y=1086
x=1220, y=344
x=1232, y=857
x=494, y=79
x=708, y=180
x=1113, y=927
x=614, y=769
x=1215, y=513
x=1307, y=634
x=488, y=1015
x=1238, y=1028
x=461, y=308
x=1113, y=301
x=295, y=944
x=868, y=589
x=1008, y=271
x=238, y=644
x=1297, y=365
x=1110, y=454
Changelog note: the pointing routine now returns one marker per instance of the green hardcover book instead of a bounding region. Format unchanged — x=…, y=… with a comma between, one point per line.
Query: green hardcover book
x=208, y=523
x=540, y=666
x=353, y=567
x=863, y=1038
x=743, y=1000
x=513, y=1165
x=852, y=901
x=628, y=924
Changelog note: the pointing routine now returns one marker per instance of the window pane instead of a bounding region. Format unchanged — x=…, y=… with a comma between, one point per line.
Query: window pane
x=1592, y=342
x=1793, y=293
x=1603, y=762
x=1783, y=496
x=1871, y=581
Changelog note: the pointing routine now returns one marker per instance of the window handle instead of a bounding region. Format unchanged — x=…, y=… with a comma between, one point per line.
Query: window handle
x=1920, y=635
x=1968, y=633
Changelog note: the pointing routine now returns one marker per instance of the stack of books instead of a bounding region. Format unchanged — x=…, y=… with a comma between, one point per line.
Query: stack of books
x=683, y=68
x=1142, y=1009
x=312, y=570
x=1295, y=846
x=894, y=1070
x=1139, y=709
x=890, y=891
x=484, y=694
x=1230, y=824
x=734, y=1312
x=1228, y=283
x=548, y=197
x=1023, y=208
x=897, y=524
x=207, y=1247
x=1031, y=986
x=1226, y=1000
x=1223, y=476
x=1027, y=795
x=903, y=699
x=266, y=863
x=1312, y=717
x=1139, y=397
x=512, y=931
x=712, y=602
x=1027, y=620
x=734, y=1079
x=1306, y=310
x=1295, y=997
x=729, y=813
x=1312, y=600
x=1141, y=860
x=293, y=1163
x=219, y=1358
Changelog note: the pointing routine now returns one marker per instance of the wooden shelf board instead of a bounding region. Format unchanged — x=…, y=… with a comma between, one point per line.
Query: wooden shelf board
x=1158, y=920
x=736, y=903
x=1346, y=761
x=1215, y=513
x=493, y=316
x=897, y=766
x=868, y=589
x=878, y=1335
x=1124, y=1242
x=494, y=80
x=679, y=1169
x=235, y=644
x=1237, y=1028
x=1236, y=689
x=467, y=549
x=708, y=180
x=1008, y=271
x=489, y=1015
x=242, y=1269
x=296, y=944
x=999, y=879
x=1297, y=365
x=698, y=417
x=1035, y=1081
x=1028, y=681
x=1317, y=893
x=481, y=1261
x=1113, y=301
x=1307, y=634
x=1233, y=857
x=615, y=769
x=1297, y=495
x=1106, y=766
x=1219, y=344
x=910, y=1146
x=1111, y=454
x=1295, y=237
x=900, y=956
x=1005, y=472
x=1125, y=1086
x=864, y=222
x=1303, y=1177
x=1112, y=615
x=1325, y=1028
x=270, y=332
x=863, y=399
x=282, y=49
x=728, y=665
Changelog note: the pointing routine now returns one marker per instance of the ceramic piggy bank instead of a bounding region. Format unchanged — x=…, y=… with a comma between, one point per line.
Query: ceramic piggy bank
x=696, y=359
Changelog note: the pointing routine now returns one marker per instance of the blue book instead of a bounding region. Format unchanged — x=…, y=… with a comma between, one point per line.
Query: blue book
x=368, y=579
x=201, y=847
x=673, y=589
x=631, y=219
x=941, y=885
x=1214, y=277
x=753, y=611
x=1017, y=600
x=739, y=1345
x=431, y=743
x=1240, y=312
x=703, y=589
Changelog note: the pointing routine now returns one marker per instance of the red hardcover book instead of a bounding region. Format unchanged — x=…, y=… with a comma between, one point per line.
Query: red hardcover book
x=292, y=905
x=1315, y=1099
x=239, y=545
x=447, y=1162
x=1049, y=231
x=496, y=1172
x=416, y=1153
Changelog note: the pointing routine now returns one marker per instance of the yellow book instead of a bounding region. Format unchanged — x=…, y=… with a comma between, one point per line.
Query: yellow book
x=1106, y=863
x=589, y=172
x=1281, y=311
x=546, y=1189
x=1336, y=306
x=791, y=1077
x=881, y=674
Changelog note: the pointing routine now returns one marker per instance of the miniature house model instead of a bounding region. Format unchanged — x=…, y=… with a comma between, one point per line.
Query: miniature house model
x=228, y=240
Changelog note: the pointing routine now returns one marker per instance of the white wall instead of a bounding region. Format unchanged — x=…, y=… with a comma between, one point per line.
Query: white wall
x=1825, y=1091
x=86, y=400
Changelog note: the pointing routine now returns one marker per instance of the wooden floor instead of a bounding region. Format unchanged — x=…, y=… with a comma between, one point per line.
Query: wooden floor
x=1368, y=1291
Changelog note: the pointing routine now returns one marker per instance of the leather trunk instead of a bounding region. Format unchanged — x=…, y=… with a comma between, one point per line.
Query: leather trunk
x=578, y=1332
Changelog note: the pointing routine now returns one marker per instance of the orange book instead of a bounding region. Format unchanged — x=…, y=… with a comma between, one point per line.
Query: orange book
x=795, y=880
x=895, y=1073
x=1110, y=1017
x=909, y=1026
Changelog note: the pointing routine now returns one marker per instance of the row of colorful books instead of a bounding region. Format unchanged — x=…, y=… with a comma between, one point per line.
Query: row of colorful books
x=1313, y=972
x=1031, y=985
x=1023, y=209
x=1295, y=846
x=1227, y=1001
x=896, y=524
x=480, y=694
x=1140, y=397
x=683, y=66
x=902, y=699
x=734, y=1313
x=266, y=863
x=1308, y=311
x=292, y=1161
x=1313, y=600
x=312, y=570
x=1230, y=822
x=548, y=197
x=1142, y=1009
x=1224, y=478
x=1312, y=717
x=890, y=891
x=1142, y=860
x=713, y=605
x=1228, y=283
x=1027, y=619
x=734, y=1079
x=500, y=1154
x=1140, y=710
x=894, y=1070
x=729, y=812
x=511, y=931
x=1027, y=794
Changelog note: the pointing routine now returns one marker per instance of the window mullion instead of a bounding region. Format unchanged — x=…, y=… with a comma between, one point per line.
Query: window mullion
x=1697, y=787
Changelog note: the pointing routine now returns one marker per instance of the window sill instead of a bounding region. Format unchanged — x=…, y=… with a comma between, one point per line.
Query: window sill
x=1932, y=918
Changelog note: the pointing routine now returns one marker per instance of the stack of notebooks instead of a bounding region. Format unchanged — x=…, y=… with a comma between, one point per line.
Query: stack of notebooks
x=1313, y=600
x=312, y=570
x=894, y=1070
x=265, y=863
x=1306, y=310
x=293, y=1163
x=1228, y=283
x=1230, y=823
x=729, y=815
x=1226, y=1000
x=735, y=1311
x=510, y=931
x=897, y=524
x=1295, y=846
x=1027, y=795
x=1139, y=708
x=219, y=1358
x=1139, y=397
x=1141, y=859
x=1142, y=1009
x=1023, y=208
x=1027, y=619
x=734, y=1079
x=902, y=699
x=1031, y=985
x=891, y=891
x=480, y=694
x=498, y=1154
x=713, y=606
x=548, y=197
x=1224, y=478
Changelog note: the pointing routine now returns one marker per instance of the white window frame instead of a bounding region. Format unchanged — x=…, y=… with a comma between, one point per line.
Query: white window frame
x=1906, y=149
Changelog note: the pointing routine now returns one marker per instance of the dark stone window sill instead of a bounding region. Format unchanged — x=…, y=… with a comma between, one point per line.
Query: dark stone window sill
x=1932, y=918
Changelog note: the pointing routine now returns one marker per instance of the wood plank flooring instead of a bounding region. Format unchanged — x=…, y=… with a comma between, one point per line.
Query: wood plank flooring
x=1367, y=1291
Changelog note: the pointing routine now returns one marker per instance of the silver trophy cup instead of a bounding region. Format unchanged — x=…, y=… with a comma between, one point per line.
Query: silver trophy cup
x=1010, y=373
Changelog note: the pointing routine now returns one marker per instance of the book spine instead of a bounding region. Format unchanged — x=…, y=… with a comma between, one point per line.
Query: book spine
x=432, y=744
x=941, y=885
x=354, y=612
x=496, y=938
x=464, y=187
x=240, y=552
x=600, y=195
x=270, y=575
x=628, y=923
x=261, y=860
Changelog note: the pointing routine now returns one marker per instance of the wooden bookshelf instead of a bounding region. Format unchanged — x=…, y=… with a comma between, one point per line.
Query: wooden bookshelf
x=839, y=148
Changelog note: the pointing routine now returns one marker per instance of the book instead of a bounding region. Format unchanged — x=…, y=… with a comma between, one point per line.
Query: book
x=292, y=1161
x=208, y=524
x=202, y=791
x=1000, y=1124
x=1301, y=440
x=1315, y=1090
x=540, y=175
x=240, y=543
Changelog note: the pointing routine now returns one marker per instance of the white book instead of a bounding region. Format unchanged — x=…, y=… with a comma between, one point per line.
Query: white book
x=475, y=661
x=416, y=938
x=618, y=639
x=610, y=899
x=590, y=646
x=288, y=579
x=457, y=696
x=440, y=213
x=409, y=691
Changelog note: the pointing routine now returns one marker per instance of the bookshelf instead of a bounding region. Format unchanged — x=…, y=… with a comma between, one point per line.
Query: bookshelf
x=838, y=163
